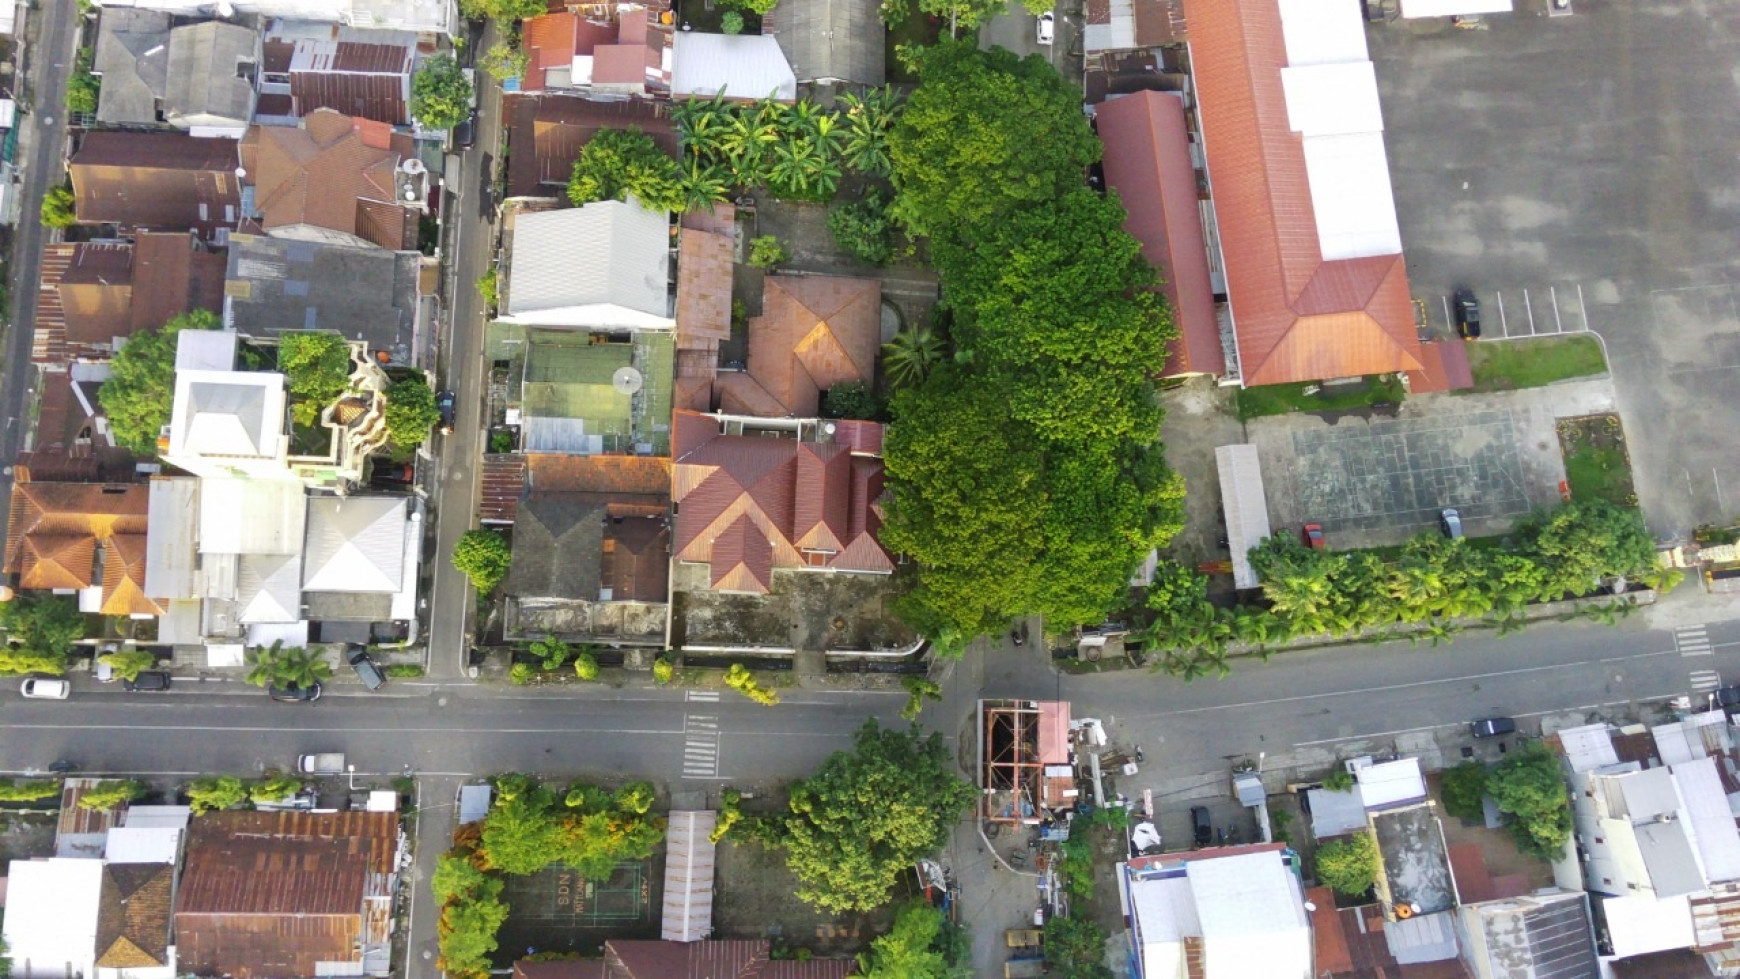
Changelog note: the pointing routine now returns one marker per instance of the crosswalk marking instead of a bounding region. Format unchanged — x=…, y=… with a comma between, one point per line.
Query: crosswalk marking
x=700, y=746
x=1704, y=681
x=1692, y=640
x=703, y=696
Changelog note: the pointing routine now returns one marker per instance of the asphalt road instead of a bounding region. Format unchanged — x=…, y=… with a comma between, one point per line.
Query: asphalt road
x=461, y=371
x=50, y=62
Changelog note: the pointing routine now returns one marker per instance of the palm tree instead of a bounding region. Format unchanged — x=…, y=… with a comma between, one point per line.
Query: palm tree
x=800, y=118
x=868, y=122
x=703, y=185
x=280, y=667
x=910, y=357
x=802, y=169
x=745, y=144
x=702, y=125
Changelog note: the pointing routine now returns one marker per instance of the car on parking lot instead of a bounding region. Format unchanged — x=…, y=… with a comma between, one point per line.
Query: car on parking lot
x=1312, y=536
x=1201, y=826
x=1047, y=28
x=148, y=681
x=45, y=688
x=1450, y=522
x=444, y=403
x=357, y=655
x=1493, y=727
x=292, y=693
x=1467, y=310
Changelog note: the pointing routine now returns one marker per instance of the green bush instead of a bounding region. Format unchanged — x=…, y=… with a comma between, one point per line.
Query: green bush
x=619, y=163
x=918, y=690
x=1339, y=779
x=110, y=794
x=1530, y=790
x=863, y=228
x=215, y=793
x=274, y=789
x=765, y=252
x=730, y=811
x=586, y=667
x=440, y=94
x=1075, y=946
x=482, y=556
x=404, y=671
x=28, y=790
x=128, y=663
x=851, y=400
x=486, y=289
x=1463, y=788
x=316, y=370
x=522, y=673
x=663, y=671
x=731, y=22
x=59, y=208
x=551, y=652
x=1349, y=865
x=82, y=87
x=740, y=679
x=501, y=442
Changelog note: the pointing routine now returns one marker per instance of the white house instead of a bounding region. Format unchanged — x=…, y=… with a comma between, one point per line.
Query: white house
x=602, y=266
x=1243, y=907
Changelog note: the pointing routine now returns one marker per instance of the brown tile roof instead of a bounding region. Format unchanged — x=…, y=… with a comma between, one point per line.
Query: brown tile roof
x=48, y=337
x=711, y=959
x=156, y=181
x=94, y=292
x=272, y=893
x=703, y=289
x=1147, y=161
x=1329, y=943
x=133, y=916
x=124, y=577
x=561, y=969
x=862, y=437
x=323, y=172
x=814, y=331
x=630, y=475
x=55, y=528
x=173, y=274
x=1298, y=317
x=548, y=131
x=748, y=505
x=1444, y=368
x=1160, y=22
x=504, y=479
x=367, y=81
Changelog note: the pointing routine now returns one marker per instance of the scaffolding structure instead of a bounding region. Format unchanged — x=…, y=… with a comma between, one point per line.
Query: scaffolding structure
x=1025, y=767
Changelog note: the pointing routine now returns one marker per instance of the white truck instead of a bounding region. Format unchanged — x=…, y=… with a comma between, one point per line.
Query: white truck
x=321, y=763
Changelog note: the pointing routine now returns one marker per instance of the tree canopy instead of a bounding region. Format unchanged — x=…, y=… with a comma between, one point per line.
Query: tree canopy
x=483, y=556
x=1349, y=865
x=860, y=821
x=139, y=395
x=528, y=828
x=59, y=209
x=504, y=12
x=440, y=93
x=284, y=667
x=411, y=411
x=911, y=949
x=316, y=368
x=619, y=162
x=1529, y=789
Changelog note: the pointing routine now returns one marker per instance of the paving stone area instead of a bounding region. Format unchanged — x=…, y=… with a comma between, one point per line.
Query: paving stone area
x=1401, y=472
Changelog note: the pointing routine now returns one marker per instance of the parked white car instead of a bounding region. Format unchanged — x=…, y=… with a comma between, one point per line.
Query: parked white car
x=40, y=688
x=1047, y=28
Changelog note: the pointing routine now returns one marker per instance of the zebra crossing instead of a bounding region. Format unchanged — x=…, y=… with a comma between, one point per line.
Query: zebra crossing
x=1704, y=681
x=700, y=746
x=1693, y=640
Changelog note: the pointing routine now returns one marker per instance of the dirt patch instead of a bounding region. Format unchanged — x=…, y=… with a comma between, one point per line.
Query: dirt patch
x=754, y=897
x=24, y=835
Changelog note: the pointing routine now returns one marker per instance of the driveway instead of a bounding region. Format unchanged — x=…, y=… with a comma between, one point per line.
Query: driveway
x=1581, y=171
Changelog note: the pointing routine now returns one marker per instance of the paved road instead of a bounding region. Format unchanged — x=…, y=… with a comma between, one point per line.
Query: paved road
x=43, y=137
x=461, y=371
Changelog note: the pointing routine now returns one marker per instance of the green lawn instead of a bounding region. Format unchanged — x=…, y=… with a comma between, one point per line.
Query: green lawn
x=1514, y=364
x=1599, y=473
x=1279, y=399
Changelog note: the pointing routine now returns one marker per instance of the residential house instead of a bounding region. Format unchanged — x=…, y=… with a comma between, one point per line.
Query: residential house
x=592, y=550
x=364, y=74
x=597, y=51
x=424, y=17
x=336, y=180
x=715, y=959
x=831, y=42
x=132, y=59
x=1221, y=913
x=547, y=132
x=740, y=66
x=1547, y=935
x=267, y=894
x=85, y=539
x=94, y=295
x=602, y=266
x=140, y=181
x=197, y=77
x=276, y=286
x=814, y=332
x=1122, y=25
x=359, y=561
x=1148, y=162
x=71, y=441
x=51, y=923
x=752, y=496
x=1293, y=133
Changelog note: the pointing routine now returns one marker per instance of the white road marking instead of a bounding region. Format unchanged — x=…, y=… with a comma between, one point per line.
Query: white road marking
x=1692, y=640
x=701, y=746
x=1582, y=307
x=1704, y=681
x=1530, y=308
x=1503, y=326
x=1554, y=291
x=702, y=695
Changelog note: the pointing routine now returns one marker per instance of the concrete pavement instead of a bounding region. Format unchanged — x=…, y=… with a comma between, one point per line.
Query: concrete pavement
x=461, y=370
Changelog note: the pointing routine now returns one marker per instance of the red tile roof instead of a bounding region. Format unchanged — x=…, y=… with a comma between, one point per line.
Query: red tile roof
x=814, y=332
x=747, y=505
x=1446, y=368
x=94, y=292
x=56, y=529
x=332, y=172
x=1297, y=317
x=1147, y=161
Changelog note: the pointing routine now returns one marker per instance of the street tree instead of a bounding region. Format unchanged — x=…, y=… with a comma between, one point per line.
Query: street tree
x=42, y=624
x=127, y=664
x=520, y=836
x=855, y=826
x=482, y=556
x=1529, y=789
x=59, y=208
x=111, y=794
x=214, y=793
x=910, y=949
x=286, y=667
x=1349, y=865
x=440, y=93
x=139, y=394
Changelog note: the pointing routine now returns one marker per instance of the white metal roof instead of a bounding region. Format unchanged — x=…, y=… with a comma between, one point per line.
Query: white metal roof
x=603, y=265
x=270, y=588
x=474, y=802
x=743, y=66
x=688, y=913
x=1588, y=747
x=227, y=413
x=142, y=844
x=355, y=544
x=1454, y=8
x=1696, y=736
x=1247, y=509
x=51, y=916
x=1328, y=100
x=1349, y=176
x=1423, y=938
x=1390, y=783
x=250, y=516
x=1318, y=33
x=1639, y=924
x=1252, y=911
x=205, y=350
x=171, y=548
x=1164, y=912
x=1713, y=830
x=150, y=817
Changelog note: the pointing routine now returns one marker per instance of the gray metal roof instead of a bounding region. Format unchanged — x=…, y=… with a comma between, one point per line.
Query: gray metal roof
x=211, y=70
x=1335, y=813
x=1545, y=937
x=171, y=548
x=133, y=57
x=276, y=286
x=841, y=41
x=606, y=264
x=355, y=544
x=1667, y=853
x=268, y=589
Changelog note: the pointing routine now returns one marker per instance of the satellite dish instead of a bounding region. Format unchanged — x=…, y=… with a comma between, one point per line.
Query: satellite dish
x=626, y=380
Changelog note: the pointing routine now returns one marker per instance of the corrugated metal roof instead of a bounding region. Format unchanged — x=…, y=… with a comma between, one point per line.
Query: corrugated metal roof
x=744, y=66
x=1247, y=509
x=156, y=181
x=841, y=41
x=355, y=544
x=241, y=516
x=604, y=264
x=211, y=74
x=1706, y=807
x=172, y=555
x=688, y=913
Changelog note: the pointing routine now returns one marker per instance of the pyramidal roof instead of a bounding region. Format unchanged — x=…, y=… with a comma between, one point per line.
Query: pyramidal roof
x=355, y=544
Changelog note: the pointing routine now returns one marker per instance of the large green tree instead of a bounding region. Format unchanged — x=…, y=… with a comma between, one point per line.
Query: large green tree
x=411, y=411
x=1529, y=789
x=483, y=556
x=440, y=93
x=860, y=821
x=139, y=395
x=1349, y=865
x=911, y=949
x=316, y=368
x=619, y=162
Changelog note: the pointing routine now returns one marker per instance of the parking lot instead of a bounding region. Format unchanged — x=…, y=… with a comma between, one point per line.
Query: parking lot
x=1583, y=172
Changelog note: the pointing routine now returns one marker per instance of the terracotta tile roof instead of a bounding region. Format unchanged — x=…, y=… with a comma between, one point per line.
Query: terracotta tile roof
x=124, y=577
x=272, y=893
x=504, y=479
x=1329, y=945
x=54, y=530
x=861, y=437
x=547, y=132
x=1298, y=318
x=133, y=916
x=703, y=289
x=748, y=505
x=710, y=959
x=814, y=332
x=548, y=42
x=1147, y=161
x=323, y=172
x=1160, y=22
x=156, y=181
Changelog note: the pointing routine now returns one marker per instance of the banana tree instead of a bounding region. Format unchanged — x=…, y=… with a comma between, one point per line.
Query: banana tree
x=703, y=185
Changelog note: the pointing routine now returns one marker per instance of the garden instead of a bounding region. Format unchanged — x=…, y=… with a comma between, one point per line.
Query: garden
x=1515, y=364
x=1597, y=465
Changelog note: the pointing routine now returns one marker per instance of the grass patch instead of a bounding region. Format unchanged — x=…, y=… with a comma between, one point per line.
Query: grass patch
x=1597, y=466
x=1513, y=365
x=1281, y=399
